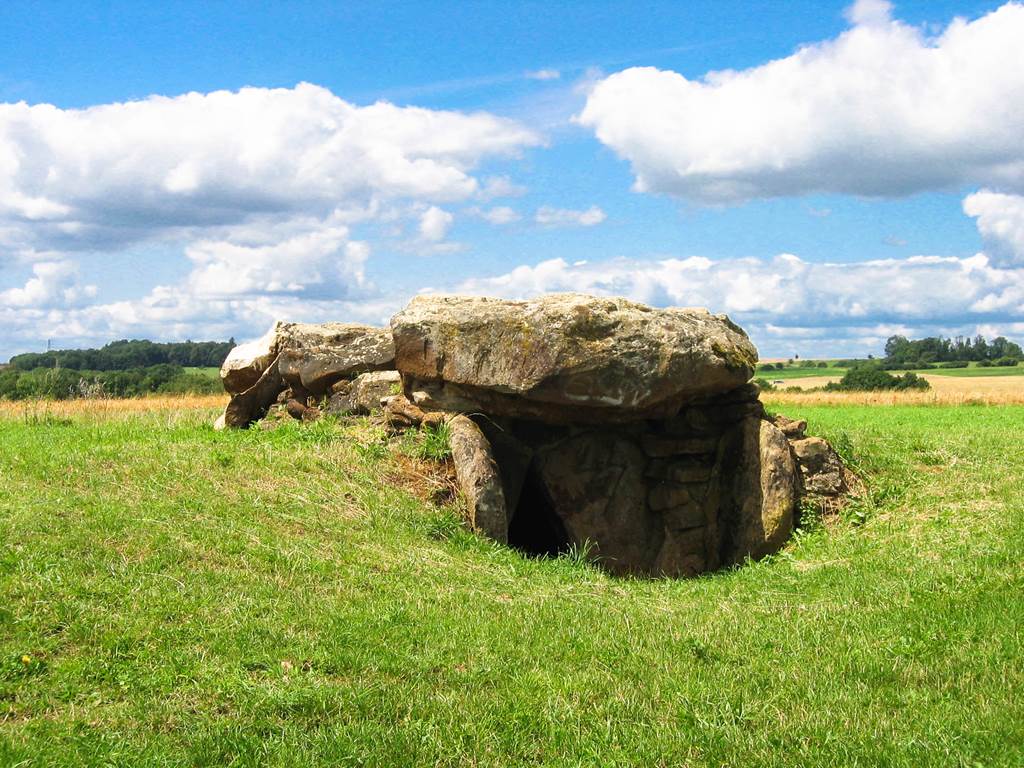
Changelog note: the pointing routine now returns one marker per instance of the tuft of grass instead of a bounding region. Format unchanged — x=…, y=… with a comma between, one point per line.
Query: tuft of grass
x=432, y=442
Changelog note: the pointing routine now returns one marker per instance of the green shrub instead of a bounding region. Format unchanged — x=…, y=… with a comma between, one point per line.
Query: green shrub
x=868, y=378
x=1006, y=362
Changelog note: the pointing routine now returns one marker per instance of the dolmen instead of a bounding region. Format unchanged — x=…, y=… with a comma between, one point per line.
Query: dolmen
x=576, y=422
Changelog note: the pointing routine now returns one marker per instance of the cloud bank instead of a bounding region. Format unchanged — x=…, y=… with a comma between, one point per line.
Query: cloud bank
x=884, y=109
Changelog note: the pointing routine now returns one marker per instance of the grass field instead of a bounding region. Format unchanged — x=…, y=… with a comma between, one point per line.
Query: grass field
x=173, y=596
x=213, y=373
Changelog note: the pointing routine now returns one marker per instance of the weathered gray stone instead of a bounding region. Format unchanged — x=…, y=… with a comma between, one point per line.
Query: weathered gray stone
x=317, y=356
x=307, y=357
x=400, y=414
x=665, y=495
x=250, y=405
x=763, y=493
x=820, y=467
x=245, y=363
x=596, y=485
x=565, y=357
x=684, y=516
x=659, y=446
x=682, y=553
x=295, y=408
x=366, y=391
x=687, y=472
x=479, y=478
x=793, y=429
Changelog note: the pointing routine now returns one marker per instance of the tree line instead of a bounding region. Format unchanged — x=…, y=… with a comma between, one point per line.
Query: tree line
x=125, y=355
x=901, y=351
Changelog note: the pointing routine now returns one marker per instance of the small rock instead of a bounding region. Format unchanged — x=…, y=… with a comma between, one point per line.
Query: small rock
x=368, y=389
x=435, y=418
x=792, y=428
x=820, y=467
x=400, y=414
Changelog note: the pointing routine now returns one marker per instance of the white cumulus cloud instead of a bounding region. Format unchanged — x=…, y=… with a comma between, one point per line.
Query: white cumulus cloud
x=884, y=109
x=434, y=223
x=1000, y=221
x=53, y=284
x=547, y=216
x=498, y=215
x=118, y=173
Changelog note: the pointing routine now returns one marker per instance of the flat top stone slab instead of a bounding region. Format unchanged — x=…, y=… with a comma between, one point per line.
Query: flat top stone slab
x=571, y=350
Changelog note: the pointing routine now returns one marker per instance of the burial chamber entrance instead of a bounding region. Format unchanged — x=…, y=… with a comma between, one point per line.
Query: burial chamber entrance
x=712, y=485
x=535, y=527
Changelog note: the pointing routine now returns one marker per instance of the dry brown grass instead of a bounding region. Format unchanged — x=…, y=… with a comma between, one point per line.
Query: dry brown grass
x=935, y=396
x=108, y=407
x=946, y=390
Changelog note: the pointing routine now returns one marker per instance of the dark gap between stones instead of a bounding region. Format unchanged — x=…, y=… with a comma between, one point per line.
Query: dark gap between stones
x=535, y=528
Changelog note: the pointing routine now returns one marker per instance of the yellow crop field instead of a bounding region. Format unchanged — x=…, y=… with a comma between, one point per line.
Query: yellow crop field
x=108, y=407
x=945, y=390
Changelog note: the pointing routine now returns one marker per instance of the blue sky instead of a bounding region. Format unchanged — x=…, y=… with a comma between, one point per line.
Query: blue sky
x=867, y=182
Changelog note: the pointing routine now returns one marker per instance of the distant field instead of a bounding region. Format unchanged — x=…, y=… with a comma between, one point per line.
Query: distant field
x=799, y=373
x=174, y=596
x=213, y=373
x=970, y=372
x=949, y=390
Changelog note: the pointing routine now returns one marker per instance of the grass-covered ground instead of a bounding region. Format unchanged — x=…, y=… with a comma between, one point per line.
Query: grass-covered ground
x=174, y=596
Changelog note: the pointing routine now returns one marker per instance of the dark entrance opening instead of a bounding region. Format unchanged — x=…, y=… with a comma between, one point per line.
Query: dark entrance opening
x=535, y=527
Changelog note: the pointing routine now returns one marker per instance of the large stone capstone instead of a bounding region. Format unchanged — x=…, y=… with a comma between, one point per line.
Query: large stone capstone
x=565, y=358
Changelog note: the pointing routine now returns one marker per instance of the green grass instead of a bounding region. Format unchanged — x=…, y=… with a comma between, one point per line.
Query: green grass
x=186, y=597
x=799, y=373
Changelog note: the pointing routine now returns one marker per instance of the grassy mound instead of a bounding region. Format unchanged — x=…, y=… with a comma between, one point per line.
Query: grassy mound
x=174, y=596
